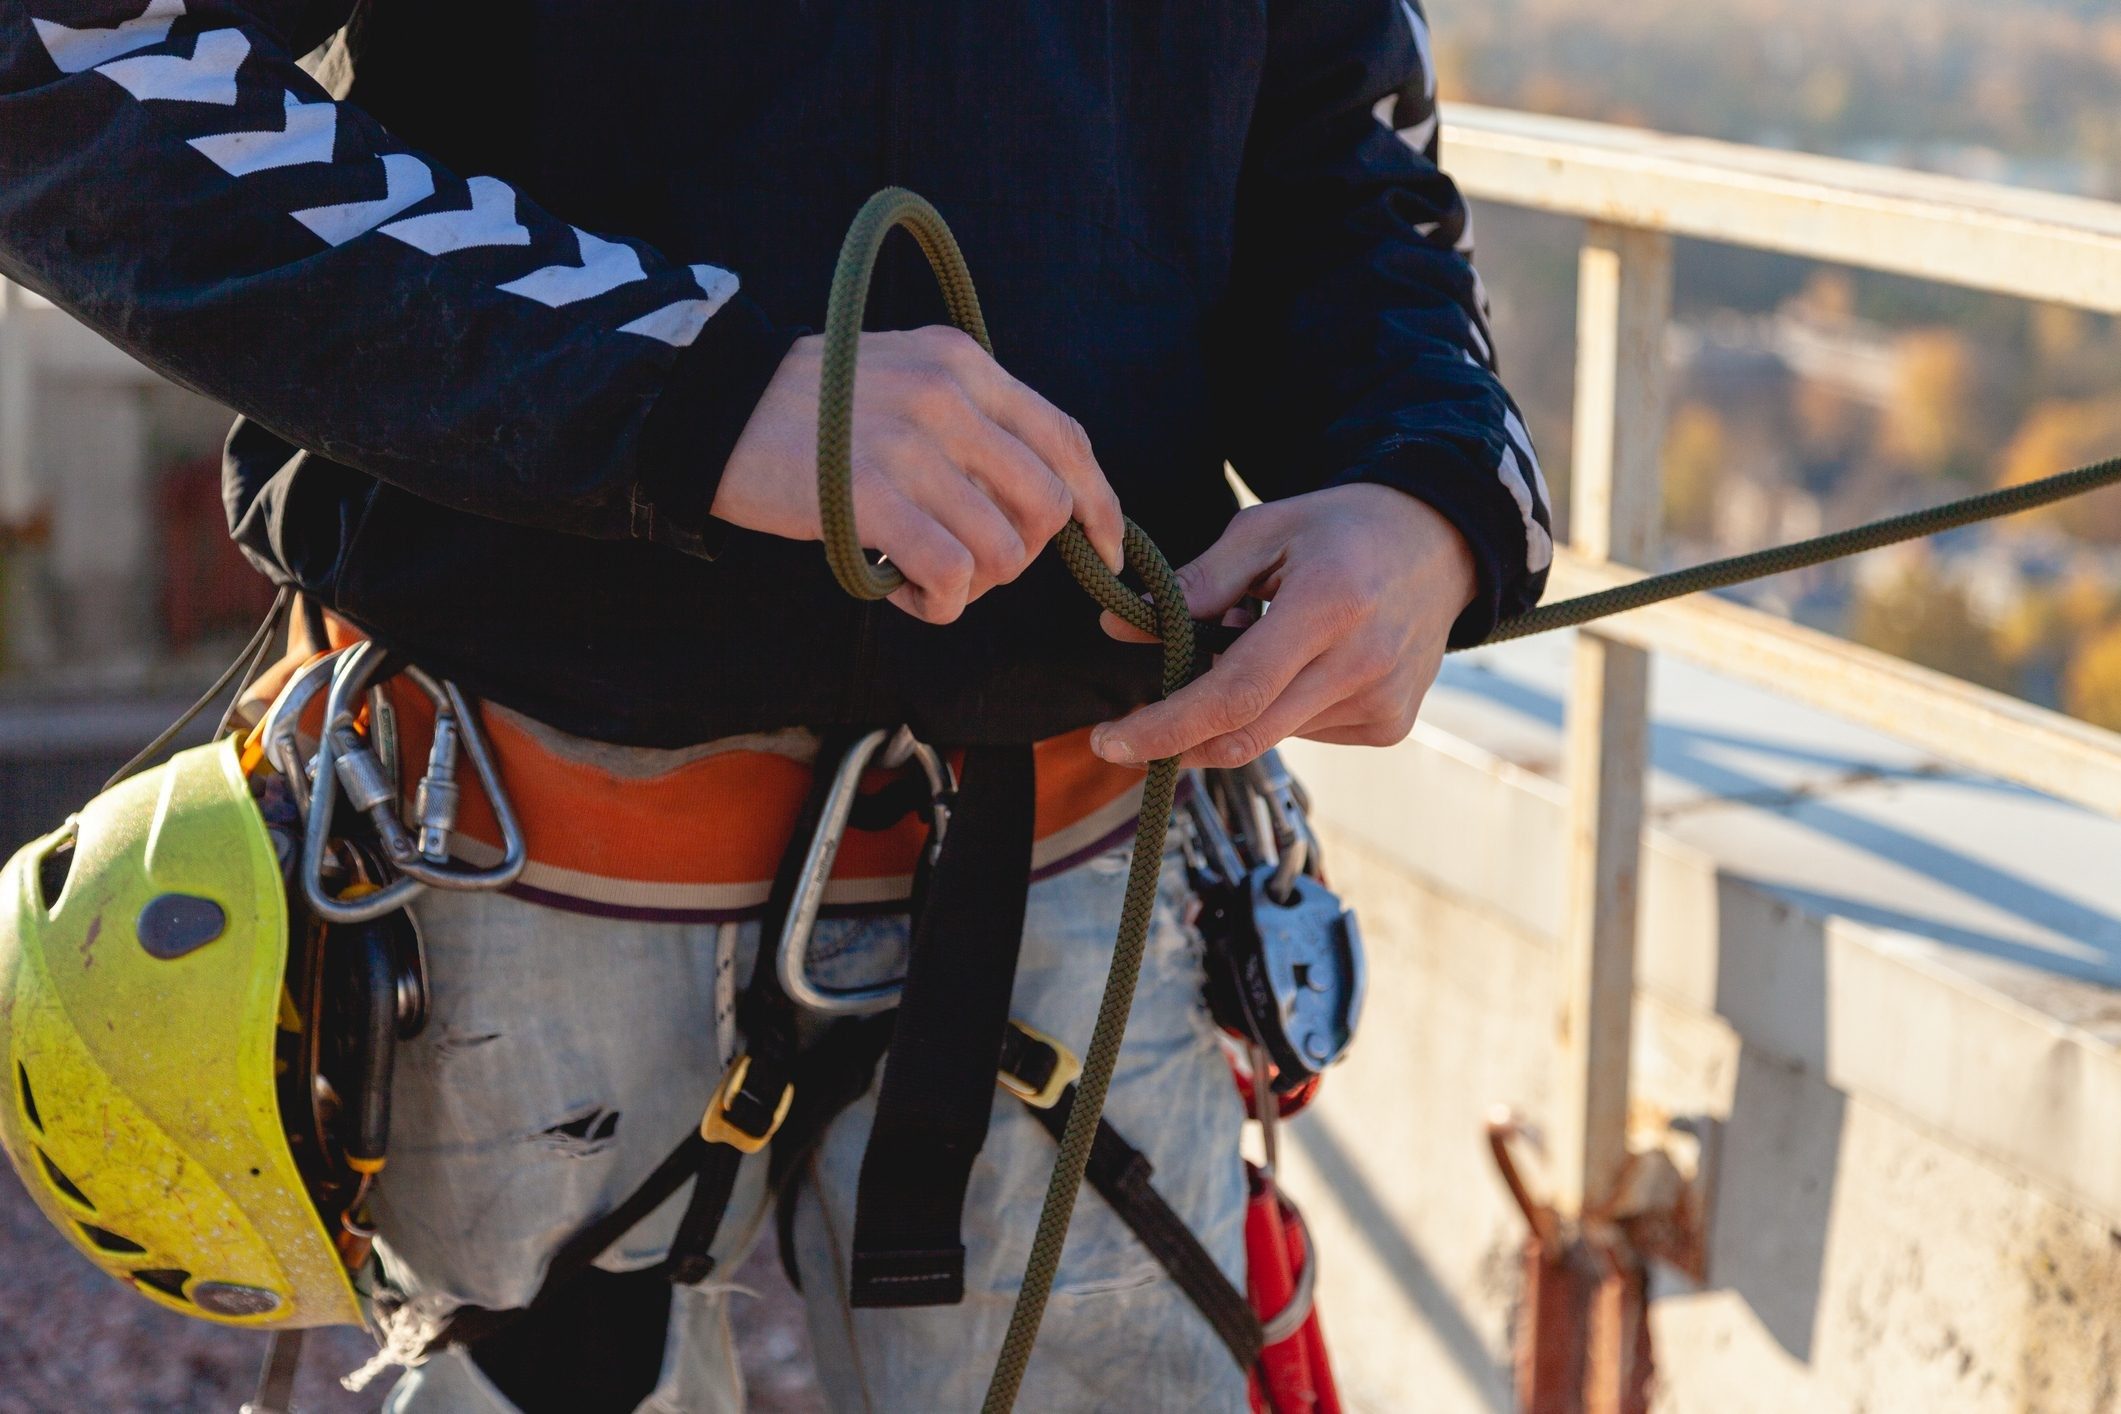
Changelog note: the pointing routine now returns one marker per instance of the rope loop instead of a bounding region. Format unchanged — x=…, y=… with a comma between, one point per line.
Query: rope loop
x=1163, y=613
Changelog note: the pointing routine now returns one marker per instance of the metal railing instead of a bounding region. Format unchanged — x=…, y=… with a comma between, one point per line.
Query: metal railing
x=1636, y=191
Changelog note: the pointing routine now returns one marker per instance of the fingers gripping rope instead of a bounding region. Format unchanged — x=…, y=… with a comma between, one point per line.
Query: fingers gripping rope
x=1163, y=613
x=895, y=207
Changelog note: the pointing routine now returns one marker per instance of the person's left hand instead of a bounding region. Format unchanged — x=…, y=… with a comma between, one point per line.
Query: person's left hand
x=1365, y=582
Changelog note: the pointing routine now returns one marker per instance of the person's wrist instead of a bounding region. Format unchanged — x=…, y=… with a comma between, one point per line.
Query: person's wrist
x=1444, y=556
x=697, y=420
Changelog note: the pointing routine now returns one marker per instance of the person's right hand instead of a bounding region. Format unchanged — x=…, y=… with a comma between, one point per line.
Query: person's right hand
x=961, y=473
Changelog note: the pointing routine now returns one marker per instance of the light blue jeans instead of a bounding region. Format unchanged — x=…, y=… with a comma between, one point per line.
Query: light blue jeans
x=567, y=1055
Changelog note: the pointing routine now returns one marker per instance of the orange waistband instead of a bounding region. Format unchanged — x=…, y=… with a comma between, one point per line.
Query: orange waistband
x=698, y=835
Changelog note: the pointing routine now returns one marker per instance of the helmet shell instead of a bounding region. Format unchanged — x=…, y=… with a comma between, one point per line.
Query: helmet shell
x=138, y=1007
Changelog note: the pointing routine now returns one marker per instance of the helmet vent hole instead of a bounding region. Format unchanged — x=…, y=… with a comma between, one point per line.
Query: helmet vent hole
x=107, y=1241
x=29, y=1098
x=61, y=1182
x=167, y=1280
x=171, y=925
x=52, y=872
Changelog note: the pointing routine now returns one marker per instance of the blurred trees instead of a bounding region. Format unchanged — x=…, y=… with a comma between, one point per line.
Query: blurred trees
x=1913, y=612
x=2092, y=689
x=2061, y=434
x=1933, y=423
x=1696, y=453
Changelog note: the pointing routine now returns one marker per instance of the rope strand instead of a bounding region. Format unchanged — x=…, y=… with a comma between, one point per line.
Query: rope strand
x=859, y=576
x=1162, y=611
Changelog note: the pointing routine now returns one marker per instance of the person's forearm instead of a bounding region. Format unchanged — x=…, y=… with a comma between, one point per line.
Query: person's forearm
x=173, y=178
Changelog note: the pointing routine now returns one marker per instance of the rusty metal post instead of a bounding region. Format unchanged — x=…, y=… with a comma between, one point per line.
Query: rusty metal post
x=1584, y=1348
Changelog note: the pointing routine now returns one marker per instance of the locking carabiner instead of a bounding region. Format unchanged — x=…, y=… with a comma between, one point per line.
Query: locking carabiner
x=345, y=760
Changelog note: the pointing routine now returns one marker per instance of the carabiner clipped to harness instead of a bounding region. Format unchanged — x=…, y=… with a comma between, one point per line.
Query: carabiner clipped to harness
x=346, y=761
x=890, y=750
x=1285, y=959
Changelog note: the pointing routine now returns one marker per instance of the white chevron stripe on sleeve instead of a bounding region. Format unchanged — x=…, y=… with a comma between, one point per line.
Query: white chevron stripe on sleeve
x=490, y=221
x=76, y=51
x=1480, y=341
x=1421, y=133
x=310, y=132
x=1514, y=425
x=680, y=323
x=1422, y=48
x=406, y=179
x=605, y=266
x=208, y=76
x=1538, y=545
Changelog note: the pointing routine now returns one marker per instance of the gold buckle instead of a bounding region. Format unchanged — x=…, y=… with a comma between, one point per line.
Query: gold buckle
x=717, y=1127
x=1066, y=1068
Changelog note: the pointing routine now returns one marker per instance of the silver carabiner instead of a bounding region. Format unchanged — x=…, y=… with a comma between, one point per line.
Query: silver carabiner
x=281, y=735
x=345, y=761
x=1295, y=849
x=793, y=947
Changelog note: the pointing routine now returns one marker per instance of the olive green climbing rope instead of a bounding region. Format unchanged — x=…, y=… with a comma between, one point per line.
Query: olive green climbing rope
x=1722, y=574
x=1163, y=613
x=851, y=566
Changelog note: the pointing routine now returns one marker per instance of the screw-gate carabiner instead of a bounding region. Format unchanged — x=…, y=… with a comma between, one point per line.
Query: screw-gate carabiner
x=793, y=947
x=346, y=761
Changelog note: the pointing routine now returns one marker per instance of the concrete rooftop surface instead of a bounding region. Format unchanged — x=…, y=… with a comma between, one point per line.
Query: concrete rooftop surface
x=2013, y=890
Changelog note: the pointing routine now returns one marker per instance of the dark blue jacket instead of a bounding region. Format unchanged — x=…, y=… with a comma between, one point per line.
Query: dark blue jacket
x=494, y=320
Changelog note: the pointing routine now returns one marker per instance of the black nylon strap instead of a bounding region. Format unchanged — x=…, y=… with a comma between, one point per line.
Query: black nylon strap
x=276, y=1380
x=471, y=1323
x=767, y=1019
x=938, y=1090
x=1120, y=1173
x=840, y=1068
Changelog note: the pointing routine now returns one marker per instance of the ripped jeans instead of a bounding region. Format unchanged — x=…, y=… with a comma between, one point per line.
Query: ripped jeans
x=567, y=1055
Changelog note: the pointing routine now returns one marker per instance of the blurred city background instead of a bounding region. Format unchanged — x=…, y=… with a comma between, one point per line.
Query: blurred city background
x=1799, y=397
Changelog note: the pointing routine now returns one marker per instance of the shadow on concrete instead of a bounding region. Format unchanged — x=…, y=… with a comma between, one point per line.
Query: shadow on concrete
x=1410, y=1270
x=1781, y=1153
x=1685, y=754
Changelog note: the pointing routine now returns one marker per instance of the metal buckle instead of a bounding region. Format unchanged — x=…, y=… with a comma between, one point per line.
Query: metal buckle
x=1067, y=1069
x=793, y=948
x=718, y=1128
x=346, y=761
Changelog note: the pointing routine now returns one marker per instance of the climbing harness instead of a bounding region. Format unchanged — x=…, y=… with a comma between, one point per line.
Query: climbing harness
x=890, y=750
x=1163, y=613
x=237, y=915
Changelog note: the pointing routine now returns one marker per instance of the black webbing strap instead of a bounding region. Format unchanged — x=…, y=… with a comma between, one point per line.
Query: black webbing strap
x=938, y=1090
x=1120, y=1173
x=578, y=1253
x=276, y=1379
x=839, y=1069
x=766, y=1017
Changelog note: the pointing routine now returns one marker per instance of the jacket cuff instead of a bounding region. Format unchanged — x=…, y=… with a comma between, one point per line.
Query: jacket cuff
x=1475, y=502
x=686, y=441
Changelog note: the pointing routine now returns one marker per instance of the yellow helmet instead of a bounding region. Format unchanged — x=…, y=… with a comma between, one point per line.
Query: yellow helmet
x=143, y=949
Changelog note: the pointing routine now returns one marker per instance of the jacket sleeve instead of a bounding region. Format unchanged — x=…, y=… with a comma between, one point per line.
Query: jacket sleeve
x=170, y=176
x=1357, y=341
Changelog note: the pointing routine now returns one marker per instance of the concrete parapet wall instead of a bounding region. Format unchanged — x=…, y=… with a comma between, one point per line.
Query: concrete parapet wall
x=1915, y=1204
